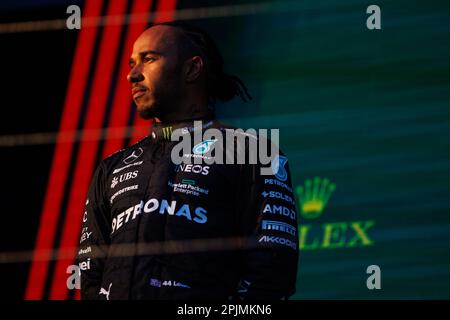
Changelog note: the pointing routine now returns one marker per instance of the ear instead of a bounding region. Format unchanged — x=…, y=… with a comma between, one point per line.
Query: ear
x=194, y=67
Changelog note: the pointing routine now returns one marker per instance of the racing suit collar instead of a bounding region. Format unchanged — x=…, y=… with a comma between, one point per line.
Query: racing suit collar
x=163, y=131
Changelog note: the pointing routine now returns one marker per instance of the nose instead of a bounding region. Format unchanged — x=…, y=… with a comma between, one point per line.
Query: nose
x=135, y=74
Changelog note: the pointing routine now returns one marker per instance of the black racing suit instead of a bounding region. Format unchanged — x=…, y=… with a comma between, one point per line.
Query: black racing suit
x=153, y=229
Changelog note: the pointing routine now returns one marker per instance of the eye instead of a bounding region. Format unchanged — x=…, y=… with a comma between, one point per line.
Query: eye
x=149, y=59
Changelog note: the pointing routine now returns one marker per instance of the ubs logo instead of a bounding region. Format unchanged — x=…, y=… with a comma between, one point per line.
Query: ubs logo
x=123, y=177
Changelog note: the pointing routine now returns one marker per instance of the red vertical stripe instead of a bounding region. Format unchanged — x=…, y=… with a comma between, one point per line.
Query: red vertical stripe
x=122, y=101
x=63, y=153
x=77, y=295
x=88, y=148
x=165, y=11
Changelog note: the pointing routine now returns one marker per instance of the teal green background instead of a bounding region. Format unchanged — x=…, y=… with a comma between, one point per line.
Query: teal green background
x=367, y=109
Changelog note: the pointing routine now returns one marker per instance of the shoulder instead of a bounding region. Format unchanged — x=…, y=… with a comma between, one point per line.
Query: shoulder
x=255, y=147
x=125, y=156
x=252, y=137
x=235, y=131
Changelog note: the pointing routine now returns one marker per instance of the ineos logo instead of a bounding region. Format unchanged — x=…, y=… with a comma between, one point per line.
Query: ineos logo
x=133, y=156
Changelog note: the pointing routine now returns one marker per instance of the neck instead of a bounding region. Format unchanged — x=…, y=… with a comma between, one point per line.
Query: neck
x=193, y=112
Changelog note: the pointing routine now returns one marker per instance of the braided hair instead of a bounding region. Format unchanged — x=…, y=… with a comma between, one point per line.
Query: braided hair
x=221, y=86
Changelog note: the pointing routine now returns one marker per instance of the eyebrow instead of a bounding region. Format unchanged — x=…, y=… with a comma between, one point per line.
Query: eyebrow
x=144, y=53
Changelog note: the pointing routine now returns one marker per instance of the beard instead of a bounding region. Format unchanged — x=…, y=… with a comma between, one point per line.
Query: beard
x=149, y=108
x=148, y=113
x=161, y=102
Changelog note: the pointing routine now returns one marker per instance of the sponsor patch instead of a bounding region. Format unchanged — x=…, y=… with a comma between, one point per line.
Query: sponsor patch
x=123, y=190
x=279, y=240
x=279, y=226
x=127, y=166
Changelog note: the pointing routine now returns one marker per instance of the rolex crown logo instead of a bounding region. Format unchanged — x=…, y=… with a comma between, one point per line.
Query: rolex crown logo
x=314, y=196
x=167, y=132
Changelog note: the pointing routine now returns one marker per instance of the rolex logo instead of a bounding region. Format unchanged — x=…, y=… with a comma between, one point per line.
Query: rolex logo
x=313, y=196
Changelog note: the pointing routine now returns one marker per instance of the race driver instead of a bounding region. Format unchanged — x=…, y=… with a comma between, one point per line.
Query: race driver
x=153, y=229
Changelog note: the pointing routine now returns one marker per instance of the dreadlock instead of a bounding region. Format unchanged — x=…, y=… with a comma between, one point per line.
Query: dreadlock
x=221, y=86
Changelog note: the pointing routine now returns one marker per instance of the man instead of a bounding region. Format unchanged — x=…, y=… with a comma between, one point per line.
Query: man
x=158, y=230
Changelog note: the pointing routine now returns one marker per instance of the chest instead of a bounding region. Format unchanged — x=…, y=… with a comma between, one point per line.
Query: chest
x=171, y=201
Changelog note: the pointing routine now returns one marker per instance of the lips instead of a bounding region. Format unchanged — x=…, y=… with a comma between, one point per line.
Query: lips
x=137, y=92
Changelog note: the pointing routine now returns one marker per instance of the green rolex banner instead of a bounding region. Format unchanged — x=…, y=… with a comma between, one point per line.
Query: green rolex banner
x=343, y=234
